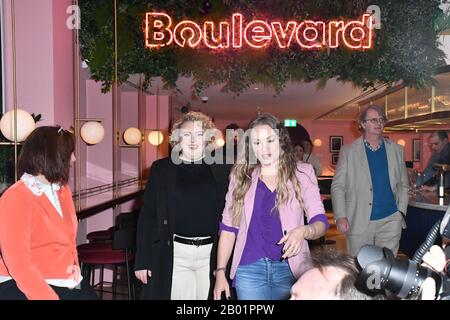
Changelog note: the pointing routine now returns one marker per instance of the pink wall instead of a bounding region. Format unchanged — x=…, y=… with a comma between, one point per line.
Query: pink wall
x=99, y=157
x=152, y=153
x=44, y=59
x=323, y=130
x=63, y=70
x=129, y=118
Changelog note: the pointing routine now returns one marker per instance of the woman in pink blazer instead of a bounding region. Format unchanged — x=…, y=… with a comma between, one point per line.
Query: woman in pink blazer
x=263, y=219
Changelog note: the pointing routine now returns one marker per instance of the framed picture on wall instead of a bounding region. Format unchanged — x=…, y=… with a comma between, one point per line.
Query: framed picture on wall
x=416, y=150
x=336, y=143
x=334, y=158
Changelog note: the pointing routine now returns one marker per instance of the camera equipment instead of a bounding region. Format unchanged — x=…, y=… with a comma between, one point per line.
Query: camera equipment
x=381, y=271
x=441, y=227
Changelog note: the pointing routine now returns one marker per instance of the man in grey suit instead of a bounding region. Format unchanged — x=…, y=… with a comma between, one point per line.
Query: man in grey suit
x=370, y=188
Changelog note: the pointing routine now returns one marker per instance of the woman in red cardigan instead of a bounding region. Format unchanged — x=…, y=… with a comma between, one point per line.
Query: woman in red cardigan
x=38, y=224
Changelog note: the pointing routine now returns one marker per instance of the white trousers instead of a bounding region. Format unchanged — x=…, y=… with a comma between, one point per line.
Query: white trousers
x=190, y=280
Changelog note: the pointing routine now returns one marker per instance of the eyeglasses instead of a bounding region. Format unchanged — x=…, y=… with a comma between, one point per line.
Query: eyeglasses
x=376, y=120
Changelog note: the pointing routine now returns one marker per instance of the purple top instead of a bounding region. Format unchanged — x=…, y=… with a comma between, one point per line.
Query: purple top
x=265, y=225
x=265, y=228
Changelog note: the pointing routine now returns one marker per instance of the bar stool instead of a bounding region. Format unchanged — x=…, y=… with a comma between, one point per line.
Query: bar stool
x=107, y=235
x=119, y=252
x=101, y=236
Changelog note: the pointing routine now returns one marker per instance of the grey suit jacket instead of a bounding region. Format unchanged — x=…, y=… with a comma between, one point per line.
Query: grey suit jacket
x=351, y=190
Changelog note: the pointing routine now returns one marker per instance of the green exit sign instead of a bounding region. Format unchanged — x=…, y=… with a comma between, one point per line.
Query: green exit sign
x=290, y=123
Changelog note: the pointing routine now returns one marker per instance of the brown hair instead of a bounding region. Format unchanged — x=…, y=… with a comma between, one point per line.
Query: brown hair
x=346, y=290
x=243, y=170
x=363, y=114
x=47, y=151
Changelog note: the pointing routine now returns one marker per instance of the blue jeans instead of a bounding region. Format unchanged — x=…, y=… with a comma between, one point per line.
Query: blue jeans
x=264, y=279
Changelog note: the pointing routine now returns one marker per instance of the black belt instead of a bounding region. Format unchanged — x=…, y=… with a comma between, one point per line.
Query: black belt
x=195, y=242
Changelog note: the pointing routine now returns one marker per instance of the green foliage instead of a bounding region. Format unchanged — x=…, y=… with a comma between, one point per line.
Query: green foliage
x=406, y=48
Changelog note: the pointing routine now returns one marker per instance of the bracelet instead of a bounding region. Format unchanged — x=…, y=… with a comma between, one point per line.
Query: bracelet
x=219, y=269
x=310, y=232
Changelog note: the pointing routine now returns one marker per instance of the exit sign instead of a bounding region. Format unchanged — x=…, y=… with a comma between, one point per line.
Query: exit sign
x=290, y=123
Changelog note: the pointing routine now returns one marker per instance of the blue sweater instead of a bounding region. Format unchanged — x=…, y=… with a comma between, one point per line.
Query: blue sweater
x=384, y=203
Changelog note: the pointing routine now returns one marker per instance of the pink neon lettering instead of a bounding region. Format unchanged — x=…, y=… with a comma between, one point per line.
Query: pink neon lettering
x=284, y=35
x=308, y=28
x=234, y=34
x=187, y=31
x=214, y=41
x=157, y=29
x=355, y=33
x=258, y=34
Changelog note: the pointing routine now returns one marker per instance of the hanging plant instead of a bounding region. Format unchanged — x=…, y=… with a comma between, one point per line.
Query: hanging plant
x=406, y=48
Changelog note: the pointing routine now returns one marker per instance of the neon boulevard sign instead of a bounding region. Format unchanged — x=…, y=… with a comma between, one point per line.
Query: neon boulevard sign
x=160, y=31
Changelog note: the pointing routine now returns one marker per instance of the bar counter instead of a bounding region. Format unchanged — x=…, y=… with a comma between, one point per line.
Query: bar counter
x=424, y=209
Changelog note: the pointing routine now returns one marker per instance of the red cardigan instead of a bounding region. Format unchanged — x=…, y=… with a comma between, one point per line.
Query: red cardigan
x=36, y=243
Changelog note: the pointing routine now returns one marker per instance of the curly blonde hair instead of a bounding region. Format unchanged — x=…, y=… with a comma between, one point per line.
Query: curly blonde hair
x=193, y=116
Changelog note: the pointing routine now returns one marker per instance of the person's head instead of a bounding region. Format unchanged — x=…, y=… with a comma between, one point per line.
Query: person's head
x=307, y=146
x=372, y=120
x=232, y=134
x=48, y=151
x=299, y=152
x=189, y=134
x=332, y=277
x=267, y=144
x=438, y=140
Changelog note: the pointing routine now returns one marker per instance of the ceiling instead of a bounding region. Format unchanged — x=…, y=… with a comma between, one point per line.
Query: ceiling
x=298, y=100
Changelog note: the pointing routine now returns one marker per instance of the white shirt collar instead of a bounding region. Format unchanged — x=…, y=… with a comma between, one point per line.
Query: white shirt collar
x=36, y=186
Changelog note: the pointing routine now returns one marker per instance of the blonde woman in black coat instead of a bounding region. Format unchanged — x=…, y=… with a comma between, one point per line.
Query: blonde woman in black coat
x=178, y=224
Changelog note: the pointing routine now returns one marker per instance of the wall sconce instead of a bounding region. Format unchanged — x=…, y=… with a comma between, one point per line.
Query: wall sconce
x=401, y=142
x=25, y=125
x=156, y=138
x=92, y=132
x=133, y=137
x=317, y=143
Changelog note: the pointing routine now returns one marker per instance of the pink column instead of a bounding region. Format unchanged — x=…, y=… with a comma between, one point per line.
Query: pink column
x=129, y=118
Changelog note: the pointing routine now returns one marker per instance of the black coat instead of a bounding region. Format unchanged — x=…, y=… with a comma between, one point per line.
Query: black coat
x=156, y=227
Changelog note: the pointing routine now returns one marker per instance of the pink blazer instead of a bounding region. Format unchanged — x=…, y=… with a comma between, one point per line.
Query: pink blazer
x=291, y=215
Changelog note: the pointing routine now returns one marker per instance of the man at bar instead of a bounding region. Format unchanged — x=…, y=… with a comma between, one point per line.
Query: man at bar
x=441, y=154
x=370, y=188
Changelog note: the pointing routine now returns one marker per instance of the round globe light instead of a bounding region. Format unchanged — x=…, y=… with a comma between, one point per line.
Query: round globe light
x=92, y=132
x=401, y=142
x=156, y=138
x=132, y=136
x=317, y=143
x=25, y=125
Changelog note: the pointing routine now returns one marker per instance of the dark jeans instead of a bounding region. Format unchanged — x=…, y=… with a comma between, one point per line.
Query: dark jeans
x=10, y=291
